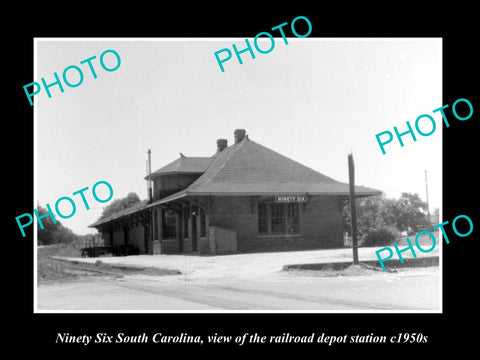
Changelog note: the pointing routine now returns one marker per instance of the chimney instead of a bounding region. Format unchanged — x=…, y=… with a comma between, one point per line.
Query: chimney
x=221, y=144
x=239, y=135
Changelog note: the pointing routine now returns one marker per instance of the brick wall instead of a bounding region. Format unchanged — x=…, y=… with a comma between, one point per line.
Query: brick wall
x=136, y=237
x=164, y=247
x=106, y=238
x=118, y=238
x=323, y=221
x=235, y=213
x=321, y=224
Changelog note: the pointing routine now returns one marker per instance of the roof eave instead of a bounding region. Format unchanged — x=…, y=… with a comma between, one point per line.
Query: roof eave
x=273, y=193
x=180, y=195
x=113, y=217
x=156, y=175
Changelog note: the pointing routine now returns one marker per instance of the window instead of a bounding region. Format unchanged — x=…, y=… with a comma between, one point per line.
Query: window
x=292, y=219
x=262, y=218
x=169, y=224
x=278, y=219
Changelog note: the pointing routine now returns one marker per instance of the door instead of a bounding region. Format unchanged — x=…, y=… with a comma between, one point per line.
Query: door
x=194, y=232
x=181, y=234
x=125, y=235
x=146, y=237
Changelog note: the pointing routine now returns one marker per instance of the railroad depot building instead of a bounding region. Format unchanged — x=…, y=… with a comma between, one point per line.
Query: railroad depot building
x=244, y=198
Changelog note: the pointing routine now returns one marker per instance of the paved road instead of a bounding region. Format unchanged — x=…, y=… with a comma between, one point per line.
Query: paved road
x=409, y=289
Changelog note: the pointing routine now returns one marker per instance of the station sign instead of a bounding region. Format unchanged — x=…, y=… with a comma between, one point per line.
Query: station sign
x=291, y=199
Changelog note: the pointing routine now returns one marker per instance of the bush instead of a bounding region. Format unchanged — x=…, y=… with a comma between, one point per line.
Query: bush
x=49, y=269
x=383, y=236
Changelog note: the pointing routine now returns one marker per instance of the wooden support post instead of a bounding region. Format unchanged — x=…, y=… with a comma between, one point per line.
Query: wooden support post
x=353, y=212
x=94, y=248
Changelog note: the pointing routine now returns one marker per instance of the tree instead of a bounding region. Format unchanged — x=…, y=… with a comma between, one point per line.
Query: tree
x=435, y=217
x=120, y=204
x=379, y=216
x=371, y=215
x=409, y=213
x=53, y=233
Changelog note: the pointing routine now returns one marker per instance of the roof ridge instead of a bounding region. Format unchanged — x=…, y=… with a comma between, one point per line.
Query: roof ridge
x=241, y=143
x=195, y=157
x=179, y=164
x=248, y=166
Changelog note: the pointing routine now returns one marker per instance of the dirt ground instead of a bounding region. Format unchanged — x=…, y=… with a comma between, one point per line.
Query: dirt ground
x=242, y=265
x=253, y=282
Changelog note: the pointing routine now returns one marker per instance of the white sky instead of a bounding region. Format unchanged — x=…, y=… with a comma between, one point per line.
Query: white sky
x=313, y=100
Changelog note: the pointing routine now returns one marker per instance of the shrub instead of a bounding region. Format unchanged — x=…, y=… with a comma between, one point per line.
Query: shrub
x=382, y=236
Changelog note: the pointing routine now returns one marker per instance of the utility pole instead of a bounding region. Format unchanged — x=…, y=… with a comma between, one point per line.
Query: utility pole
x=94, y=247
x=426, y=190
x=152, y=223
x=353, y=211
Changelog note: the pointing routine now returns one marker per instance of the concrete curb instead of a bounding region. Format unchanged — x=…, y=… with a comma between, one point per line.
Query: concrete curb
x=390, y=264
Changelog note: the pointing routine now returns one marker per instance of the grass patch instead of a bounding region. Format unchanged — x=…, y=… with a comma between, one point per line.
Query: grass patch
x=56, y=270
x=48, y=269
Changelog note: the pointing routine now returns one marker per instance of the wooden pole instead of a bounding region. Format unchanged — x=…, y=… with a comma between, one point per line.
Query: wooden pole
x=353, y=212
x=426, y=191
x=94, y=248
